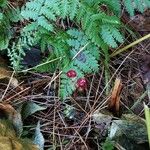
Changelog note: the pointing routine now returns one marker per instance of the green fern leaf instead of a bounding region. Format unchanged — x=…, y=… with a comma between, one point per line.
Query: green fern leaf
x=64, y=8
x=114, y=6
x=16, y=53
x=73, y=8
x=53, y=5
x=86, y=62
x=1, y=17
x=139, y=5
x=3, y=3
x=48, y=13
x=44, y=23
x=117, y=35
x=129, y=7
x=29, y=14
x=111, y=35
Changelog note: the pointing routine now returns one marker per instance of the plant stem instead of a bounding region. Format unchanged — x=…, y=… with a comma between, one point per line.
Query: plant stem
x=147, y=117
x=139, y=100
x=130, y=45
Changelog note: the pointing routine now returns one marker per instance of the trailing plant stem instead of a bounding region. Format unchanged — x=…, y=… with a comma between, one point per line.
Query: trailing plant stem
x=130, y=45
x=147, y=117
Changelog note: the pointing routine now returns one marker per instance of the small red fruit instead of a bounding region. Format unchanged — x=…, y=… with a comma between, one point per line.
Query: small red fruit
x=71, y=74
x=82, y=83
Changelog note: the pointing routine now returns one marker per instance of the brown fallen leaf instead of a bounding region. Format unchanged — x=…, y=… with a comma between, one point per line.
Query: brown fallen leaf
x=7, y=109
x=114, y=103
x=11, y=142
x=6, y=73
x=12, y=115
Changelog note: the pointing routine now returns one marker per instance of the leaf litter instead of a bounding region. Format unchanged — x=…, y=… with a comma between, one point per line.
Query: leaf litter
x=128, y=131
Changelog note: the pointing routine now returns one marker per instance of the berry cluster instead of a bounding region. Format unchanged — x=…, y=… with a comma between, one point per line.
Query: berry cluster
x=71, y=74
x=81, y=82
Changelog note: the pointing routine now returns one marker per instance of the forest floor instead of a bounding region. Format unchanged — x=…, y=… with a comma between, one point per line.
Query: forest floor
x=85, y=119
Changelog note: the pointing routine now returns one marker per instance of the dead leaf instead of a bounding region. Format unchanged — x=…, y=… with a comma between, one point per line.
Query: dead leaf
x=114, y=102
x=6, y=129
x=7, y=109
x=11, y=142
x=13, y=116
x=5, y=143
x=6, y=73
x=16, y=145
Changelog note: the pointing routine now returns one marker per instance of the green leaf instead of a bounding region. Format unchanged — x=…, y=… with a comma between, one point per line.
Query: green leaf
x=14, y=15
x=139, y=5
x=64, y=8
x=17, y=123
x=3, y=3
x=108, y=145
x=1, y=16
x=147, y=117
x=129, y=132
x=4, y=41
x=30, y=108
x=73, y=8
x=38, y=137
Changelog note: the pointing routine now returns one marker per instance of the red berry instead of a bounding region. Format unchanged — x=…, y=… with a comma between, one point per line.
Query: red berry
x=82, y=83
x=71, y=74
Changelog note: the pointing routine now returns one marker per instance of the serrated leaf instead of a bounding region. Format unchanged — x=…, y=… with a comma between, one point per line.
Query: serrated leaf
x=64, y=8
x=73, y=8
x=108, y=39
x=30, y=108
x=38, y=137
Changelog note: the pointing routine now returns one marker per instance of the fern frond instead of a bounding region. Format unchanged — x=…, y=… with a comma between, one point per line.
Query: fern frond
x=111, y=35
x=3, y=3
x=41, y=12
x=4, y=41
x=93, y=20
x=129, y=7
x=140, y=5
x=49, y=64
x=6, y=18
x=117, y=35
x=73, y=8
x=84, y=60
x=53, y=5
x=114, y=6
x=44, y=23
x=64, y=8
x=16, y=53
x=1, y=17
